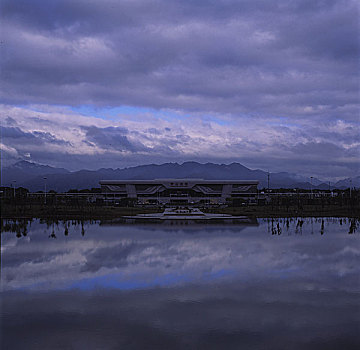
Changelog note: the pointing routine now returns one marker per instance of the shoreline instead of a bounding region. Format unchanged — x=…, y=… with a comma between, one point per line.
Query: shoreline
x=109, y=212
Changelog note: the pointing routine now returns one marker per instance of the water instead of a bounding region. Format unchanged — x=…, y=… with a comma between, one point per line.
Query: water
x=272, y=284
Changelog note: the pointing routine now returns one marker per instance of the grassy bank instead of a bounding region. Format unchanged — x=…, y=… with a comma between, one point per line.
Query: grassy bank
x=64, y=212
x=293, y=211
x=70, y=212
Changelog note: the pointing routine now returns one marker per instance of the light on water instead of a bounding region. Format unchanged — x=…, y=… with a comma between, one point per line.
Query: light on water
x=267, y=284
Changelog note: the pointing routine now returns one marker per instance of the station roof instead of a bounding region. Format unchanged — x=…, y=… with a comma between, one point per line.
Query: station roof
x=159, y=181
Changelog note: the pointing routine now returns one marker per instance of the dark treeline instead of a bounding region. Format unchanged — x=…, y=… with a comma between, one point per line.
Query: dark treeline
x=91, y=204
x=295, y=203
x=83, y=204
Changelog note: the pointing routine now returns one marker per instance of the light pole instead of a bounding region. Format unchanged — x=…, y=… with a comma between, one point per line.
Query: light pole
x=14, y=186
x=268, y=178
x=350, y=187
x=311, y=177
x=45, y=178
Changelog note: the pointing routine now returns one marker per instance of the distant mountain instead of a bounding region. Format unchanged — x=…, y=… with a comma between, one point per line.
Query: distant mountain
x=346, y=183
x=24, y=171
x=309, y=186
x=30, y=175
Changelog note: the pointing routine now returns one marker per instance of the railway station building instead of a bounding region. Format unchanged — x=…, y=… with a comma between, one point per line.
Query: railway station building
x=180, y=191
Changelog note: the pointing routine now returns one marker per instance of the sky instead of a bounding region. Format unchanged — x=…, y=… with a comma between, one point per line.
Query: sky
x=273, y=85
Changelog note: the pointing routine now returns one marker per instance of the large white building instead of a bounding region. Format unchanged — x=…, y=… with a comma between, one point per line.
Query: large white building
x=180, y=191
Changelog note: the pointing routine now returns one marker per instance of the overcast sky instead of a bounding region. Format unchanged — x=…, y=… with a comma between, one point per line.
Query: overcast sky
x=270, y=84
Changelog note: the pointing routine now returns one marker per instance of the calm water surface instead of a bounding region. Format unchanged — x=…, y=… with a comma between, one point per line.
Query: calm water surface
x=272, y=284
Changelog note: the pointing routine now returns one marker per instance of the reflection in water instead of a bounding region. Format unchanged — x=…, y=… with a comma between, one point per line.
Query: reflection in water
x=245, y=221
x=269, y=284
x=66, y=226
x=21, y=226
x=354, y=225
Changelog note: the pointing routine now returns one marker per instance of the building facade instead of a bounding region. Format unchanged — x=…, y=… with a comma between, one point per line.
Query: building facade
x=180, y=191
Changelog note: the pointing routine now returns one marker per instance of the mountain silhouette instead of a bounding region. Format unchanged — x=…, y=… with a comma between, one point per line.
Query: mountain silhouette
x=31, y=175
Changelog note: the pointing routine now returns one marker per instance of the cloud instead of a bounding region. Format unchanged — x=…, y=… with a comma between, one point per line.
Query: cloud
x=15, y=134
x=78, y=141
x=113, y=138
x=271, y=85
x=7, y=151
x=109, y=257
x=290, y=59
x=210, y=284
x=149, y=256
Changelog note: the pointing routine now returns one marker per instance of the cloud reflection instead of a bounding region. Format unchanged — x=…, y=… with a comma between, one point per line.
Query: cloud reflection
x=195, y=287
x=143, y=256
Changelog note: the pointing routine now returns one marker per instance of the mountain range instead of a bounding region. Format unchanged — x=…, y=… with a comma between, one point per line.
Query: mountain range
x=31, y=176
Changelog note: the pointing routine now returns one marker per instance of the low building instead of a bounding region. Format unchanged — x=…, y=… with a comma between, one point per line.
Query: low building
x=180, y=191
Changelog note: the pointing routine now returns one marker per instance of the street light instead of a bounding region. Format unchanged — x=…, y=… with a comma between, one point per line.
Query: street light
x=14, y=185
x=311, y=177
x=350, y=187
x=45, y=178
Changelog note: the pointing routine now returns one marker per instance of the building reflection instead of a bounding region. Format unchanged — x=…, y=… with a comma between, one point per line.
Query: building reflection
x=275, y=226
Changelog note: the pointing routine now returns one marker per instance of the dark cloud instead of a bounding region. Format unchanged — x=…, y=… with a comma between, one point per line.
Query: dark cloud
x=10, y=121
x=318, y=149
x=113, y=138
x=154, y=131
x=237, y=60
x=109, y=257
x=15, y=133
x=49, y=138
x=293, y=58
x=15, y=136
x=14, y=259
